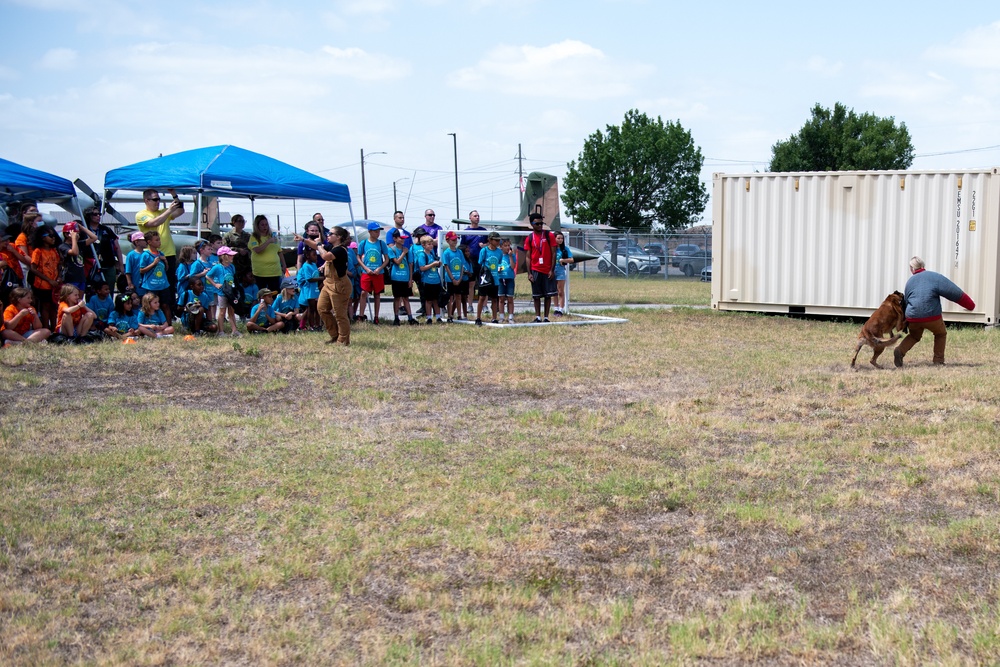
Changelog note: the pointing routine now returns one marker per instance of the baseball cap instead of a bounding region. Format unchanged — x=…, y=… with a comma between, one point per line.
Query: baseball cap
x=373, y=226
x=289, y=283
x=225, y=250
x=136, y=236
x=493, y=235
x=450, y=235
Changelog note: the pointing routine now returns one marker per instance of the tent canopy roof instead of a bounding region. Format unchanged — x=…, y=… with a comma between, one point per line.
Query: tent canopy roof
x=226, y=171
x=18, y=183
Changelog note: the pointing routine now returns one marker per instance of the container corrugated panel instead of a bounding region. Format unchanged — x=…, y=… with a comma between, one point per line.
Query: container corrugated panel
x=836, y=243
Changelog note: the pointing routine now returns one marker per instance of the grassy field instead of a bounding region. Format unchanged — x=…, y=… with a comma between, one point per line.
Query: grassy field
x=595, y=287
x=688, y=487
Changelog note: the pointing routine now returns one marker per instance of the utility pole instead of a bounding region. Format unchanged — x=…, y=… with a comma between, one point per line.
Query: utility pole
x=520, y=177
x=395, y=206
x=364, y=195
x=455, y=142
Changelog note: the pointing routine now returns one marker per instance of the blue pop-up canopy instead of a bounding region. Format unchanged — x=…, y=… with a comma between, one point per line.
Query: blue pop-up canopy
x=20, y=183
x=226, y=171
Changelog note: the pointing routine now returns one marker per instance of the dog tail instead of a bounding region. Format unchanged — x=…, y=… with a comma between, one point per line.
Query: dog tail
x=883, y=343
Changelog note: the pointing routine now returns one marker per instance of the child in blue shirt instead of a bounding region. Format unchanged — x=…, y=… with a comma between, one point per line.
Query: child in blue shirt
x=132, y=275
x=507, y=273
x=125, y=316
x=197, y=317
x=153, y=269
x=102, y=304
x=490, y=258
x=185, y=260
x=401, y=278
x=286, y=306
x=427, y=262
x=454, y=268
x=262, y=317
x=250, y=290
x=217, y=277
x=152, y=321
x=308, y=279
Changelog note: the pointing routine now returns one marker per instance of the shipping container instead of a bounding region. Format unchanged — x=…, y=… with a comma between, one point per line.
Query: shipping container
x=837, y=243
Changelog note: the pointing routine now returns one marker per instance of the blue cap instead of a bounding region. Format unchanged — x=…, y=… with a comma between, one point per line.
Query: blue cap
x=372, y=226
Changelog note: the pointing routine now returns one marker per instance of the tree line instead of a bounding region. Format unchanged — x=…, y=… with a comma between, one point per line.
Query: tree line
x=645, y=173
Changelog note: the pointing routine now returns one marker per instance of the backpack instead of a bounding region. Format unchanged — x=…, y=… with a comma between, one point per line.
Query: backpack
x=234, y=295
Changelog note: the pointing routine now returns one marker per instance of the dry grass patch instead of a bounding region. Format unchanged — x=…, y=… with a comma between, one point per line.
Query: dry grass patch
x=690, y=486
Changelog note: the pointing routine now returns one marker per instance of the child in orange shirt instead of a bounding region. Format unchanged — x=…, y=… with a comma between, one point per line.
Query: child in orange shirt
x=45, y=265
x=80, y=319
x=20, y=321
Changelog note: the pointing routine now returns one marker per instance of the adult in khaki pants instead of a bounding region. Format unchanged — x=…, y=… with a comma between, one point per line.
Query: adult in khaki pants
x=335, y=294
x=923, y=294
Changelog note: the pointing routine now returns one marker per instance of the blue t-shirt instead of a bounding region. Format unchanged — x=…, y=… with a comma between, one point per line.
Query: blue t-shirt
x=491, y=259
x=125, y=321
x=307, y=288
x=396, y=272
x=352, y=263
x=102, y=308
x=132, y=269
x=156, y=318
x=250, y=293
x=455, y=261
x=260, y=316
x=507, y=263
x=429, y=276
x=282, y=306
x=155, y=279
x=372, y=253
x=562, y=252
x=221, y=275
x=183, y=274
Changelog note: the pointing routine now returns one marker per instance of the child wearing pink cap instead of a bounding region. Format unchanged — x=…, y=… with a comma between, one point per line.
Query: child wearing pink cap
x=132, y=276
x=217, y=277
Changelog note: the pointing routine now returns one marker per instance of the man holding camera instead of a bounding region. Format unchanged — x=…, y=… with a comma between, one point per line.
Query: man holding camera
x=154, y=219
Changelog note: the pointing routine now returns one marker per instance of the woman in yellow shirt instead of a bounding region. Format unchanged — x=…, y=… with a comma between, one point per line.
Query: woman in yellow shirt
x=266, y=259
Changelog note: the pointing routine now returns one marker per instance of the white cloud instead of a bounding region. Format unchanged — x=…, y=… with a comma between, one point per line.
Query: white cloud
x=59, y=59
x=821, y=66
x=569, y=69
x=978, y=48
x=360, y=64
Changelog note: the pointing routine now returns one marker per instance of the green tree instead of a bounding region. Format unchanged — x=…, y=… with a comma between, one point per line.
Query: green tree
x=841, y=140
x=641, y=174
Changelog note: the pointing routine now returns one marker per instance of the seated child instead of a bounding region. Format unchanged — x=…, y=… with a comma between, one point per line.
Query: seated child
x=250, y=290
x=125, y=317
x=197, y=317
x=81, y=319
x=286, y=306
x=262, y=317
x=102, y=304
x=20, y=321
x=152, y=321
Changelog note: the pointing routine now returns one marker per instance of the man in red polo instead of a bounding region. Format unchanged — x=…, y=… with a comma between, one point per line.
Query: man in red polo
x=540, y=248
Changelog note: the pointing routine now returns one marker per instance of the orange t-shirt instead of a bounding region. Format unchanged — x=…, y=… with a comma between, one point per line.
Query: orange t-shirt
x=76, y=315
x=47, y=260
x=12, y=261
x=23, y=326
x=22, y=244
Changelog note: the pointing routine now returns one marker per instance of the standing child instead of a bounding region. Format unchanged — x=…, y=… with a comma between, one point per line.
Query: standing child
x=354, y=273
x=401, y=277
x=81, y=319
x=466, y=285
x=507, y=273
x=74, y=270
x=20, y=320
x=132, y=276
x=454, y=267
x=186, y=259
x=152, y=321
x=125, y=317
x=490, y=258
x=308, y=279
x=45, y=267
x=263, y=318
x=217, y=277
x=373, y=257
x=564, y=257
x=427, y=262
x=153, y=271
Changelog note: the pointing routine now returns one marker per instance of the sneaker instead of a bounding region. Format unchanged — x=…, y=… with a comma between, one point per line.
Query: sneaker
x=545, y=320
x=557, y=311
x=375, y=322
x=412, y=322
x=430, y=320
x=479, y=322
x=395, y=322
x=538, y=319
x=440, y=320
x=494, y=322
x=450, y=320
x=897, y=358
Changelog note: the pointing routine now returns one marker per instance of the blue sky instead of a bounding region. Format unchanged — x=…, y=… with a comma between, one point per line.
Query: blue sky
x=90, y=85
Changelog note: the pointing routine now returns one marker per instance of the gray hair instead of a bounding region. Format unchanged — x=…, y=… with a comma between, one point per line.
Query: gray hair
x=916, y=263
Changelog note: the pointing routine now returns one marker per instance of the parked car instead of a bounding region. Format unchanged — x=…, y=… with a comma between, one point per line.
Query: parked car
x=706, y=274
x=632, y=260
x=694, y=263
x=656, y=250
x=682, y=251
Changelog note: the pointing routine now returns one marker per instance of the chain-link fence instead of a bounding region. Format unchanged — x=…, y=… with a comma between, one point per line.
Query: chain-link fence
x=634, y=255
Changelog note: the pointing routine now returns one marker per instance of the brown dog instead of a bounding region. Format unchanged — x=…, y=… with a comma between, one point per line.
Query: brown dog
x=889, y=317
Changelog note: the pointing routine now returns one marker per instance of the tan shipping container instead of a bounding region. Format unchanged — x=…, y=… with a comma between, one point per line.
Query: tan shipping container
x=836, y=243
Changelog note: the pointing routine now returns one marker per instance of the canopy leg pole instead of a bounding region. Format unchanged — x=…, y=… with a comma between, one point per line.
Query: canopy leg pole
x=200, y=213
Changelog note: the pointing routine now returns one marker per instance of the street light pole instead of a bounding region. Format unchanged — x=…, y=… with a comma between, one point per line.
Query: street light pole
x=454, y=138
x=364, y=195
x=395, y=206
